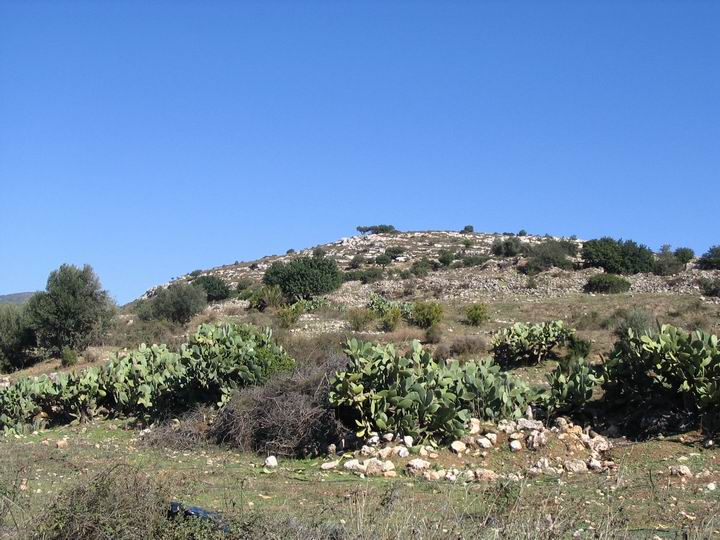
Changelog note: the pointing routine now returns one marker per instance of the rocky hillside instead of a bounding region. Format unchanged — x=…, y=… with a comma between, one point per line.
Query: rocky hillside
x=495, y=278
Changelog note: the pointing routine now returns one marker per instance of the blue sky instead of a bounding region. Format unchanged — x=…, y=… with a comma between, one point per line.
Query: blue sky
x=152, y=138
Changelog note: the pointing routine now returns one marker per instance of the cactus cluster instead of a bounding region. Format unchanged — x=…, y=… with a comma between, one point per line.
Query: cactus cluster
x=149, y=380
x=527, y=344
x=415, y=395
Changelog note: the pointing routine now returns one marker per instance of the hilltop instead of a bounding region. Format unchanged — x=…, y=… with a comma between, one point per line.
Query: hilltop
x=15, y=298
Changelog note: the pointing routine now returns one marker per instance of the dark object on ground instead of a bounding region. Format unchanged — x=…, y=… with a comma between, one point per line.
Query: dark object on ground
x=178, y=509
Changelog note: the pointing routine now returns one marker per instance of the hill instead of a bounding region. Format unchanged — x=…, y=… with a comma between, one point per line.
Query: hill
x=15, y=298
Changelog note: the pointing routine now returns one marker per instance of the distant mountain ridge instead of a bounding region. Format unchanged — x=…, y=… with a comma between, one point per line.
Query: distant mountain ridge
x=15, y=298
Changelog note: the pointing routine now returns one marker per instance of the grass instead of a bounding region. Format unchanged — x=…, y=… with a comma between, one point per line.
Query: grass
x=640, y=496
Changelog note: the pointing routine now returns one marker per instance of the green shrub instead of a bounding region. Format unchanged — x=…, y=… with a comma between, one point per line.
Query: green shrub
x=287, y=316
x=446, y=257
x=383, y=260
x=304, y=277
x=421, y=268
x=16, y=337
x=381, y=391
x=522, y=232
x=178, y=302
x=549, y=254
x=68, y=357
x=371, y=275
x=215, y=288
x=710, y=259
x=390, y=319
x=666, y=263
x=606, y=284
x=267, y=296
x=710, y=287
x=510, y=247
x=73, y=311
x=356, y=262
x=394, y=252
x=684, y=254
x=360, y=318
x=618, y=256
x=672, y=370
x=244, y=284
x=639, y=320
x=433, y=334
x=461, y=346
x=467, y=229
x=476, y=314
x=380, y=305
x=473, y=260
x=527, y=344
x=195, y=273
x=377, y=229
x=426, y=314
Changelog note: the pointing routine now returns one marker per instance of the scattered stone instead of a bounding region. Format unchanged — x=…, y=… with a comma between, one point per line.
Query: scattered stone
x=386, y=452
x=525, y=423
x=680, y=470
x=712, y=486
x=62, y=443
x=374, y=439
x=417, y=465
x=388, y=437
x=507, y=426
x=562, y=424
x=354, y=465
x=486, y=475
x=374, y=467
x=484, y=442
x=271, y=462
x=331, y=449
x=599, y=444
x=575, y=466
x=474, y=426
x=329, y=465
x=517, y=436
x=492, y=437
x=390, y=474
x=536, y=439
x=515, y=445
x=388, y=466
x=408, y=441
x=367, y=451
x=595, y=465
x=433, y=476
x=458, y=447
x=402, y=452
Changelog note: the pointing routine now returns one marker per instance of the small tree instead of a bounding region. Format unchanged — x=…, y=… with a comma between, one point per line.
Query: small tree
x=467, y=229
x=304, y=277
x=684, y=254
x=710, y=259
x=179, y=303
x=215, y=288
x=618, y=256
x=16, y=337
x=73, y=311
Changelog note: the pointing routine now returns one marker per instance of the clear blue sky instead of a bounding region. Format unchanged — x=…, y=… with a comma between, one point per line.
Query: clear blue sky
x=152, y=138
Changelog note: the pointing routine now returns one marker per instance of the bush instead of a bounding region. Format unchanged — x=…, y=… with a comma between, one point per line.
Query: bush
x=461, y=346
x=606, y=284
x=549, y=254
x=414, y=395
x=476, y=314
x=371, y=275
x=68, y=357
x=359, y=318
x=710, y=287
x=377, y=229
x=215, y=288
x=473, y=260
x=178, y=302
x=467, y=229
x=426, y=314
x=267, y=296
x=684, y=254
x=383, y=260
x=288, y=416
x=527, y=344
x=421, y=268
x=446, y=257
x=522, y=232
x=356, y=262
x=244, y=284
x=16, y=337
x=287, y=316
x=674, y=370
x=73, y=311
x=390, y=319
x=510, y=247
x=640, y=321
x=304, y=277
x=119, y=503
x=394, y=252
x=433, y=334
x=710, y=259
x=618, y=256
x=666, y=263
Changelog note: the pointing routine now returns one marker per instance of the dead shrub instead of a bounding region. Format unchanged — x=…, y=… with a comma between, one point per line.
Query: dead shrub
x=288, y=416
x=185, y=433
x=461, y=346
x=120, y=503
